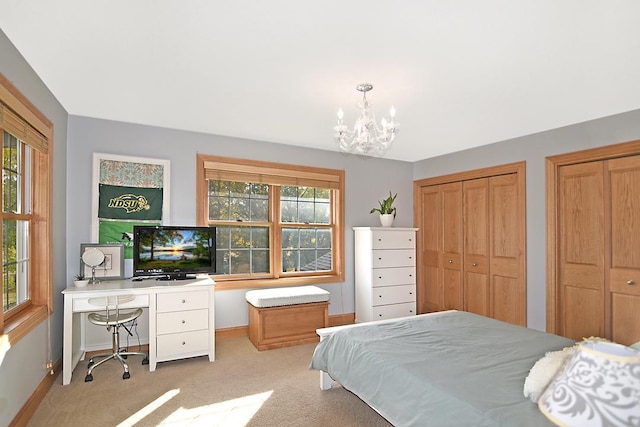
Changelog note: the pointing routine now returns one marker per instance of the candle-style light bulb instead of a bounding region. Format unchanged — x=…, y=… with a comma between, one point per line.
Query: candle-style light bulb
x=392, y=112
x=340, y=114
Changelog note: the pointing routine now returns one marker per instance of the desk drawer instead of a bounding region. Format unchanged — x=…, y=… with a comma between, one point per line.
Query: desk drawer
x=178, y=301
x=182, y=321
x=82, y=304
x=175, y=345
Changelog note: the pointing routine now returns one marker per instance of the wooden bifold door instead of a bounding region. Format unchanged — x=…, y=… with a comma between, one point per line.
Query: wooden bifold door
x=595, y=204
x=471, y=243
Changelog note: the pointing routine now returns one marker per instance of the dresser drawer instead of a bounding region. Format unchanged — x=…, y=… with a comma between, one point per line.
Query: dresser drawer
x=393, y=239
x=182, y=321
x=393, y=294
x=177, y=301
x=184, y=343
x=394, y=276
x=394, y=310
x=133, y=301
x=394, y=258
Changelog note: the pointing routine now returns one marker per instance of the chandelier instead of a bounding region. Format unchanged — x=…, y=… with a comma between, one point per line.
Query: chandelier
x=366, y=138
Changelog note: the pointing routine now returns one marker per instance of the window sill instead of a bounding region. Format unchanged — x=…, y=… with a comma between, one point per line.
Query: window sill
x=227, y=284
x=19, y=326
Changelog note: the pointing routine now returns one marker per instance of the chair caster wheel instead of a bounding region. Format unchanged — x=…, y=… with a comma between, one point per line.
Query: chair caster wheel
x=88, y=378
x=145, y=361
x=126, y=376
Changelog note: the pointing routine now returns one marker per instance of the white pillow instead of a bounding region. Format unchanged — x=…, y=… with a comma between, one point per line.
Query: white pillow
x=543, y=372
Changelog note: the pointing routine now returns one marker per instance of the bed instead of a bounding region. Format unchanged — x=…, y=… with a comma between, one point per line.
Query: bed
x=449, y=368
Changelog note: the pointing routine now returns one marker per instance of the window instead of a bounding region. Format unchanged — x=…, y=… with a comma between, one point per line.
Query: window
x=275, y=223
x=26, y=205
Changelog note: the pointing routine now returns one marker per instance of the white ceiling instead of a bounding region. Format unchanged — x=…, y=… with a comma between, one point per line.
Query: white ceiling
x=460, y=73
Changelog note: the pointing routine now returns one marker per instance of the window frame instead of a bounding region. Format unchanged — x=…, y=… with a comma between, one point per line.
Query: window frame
x=276, y=174
x=37, y=132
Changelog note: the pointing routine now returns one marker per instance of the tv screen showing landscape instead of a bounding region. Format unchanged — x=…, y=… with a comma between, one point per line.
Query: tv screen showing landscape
x=165, y=249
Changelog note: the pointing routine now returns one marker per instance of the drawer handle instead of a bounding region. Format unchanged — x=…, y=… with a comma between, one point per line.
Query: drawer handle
x=475, y=264
x=630, y=282
x=184, y=300
x=450, y=261
x=184, y=321
x=379, y=315
x=410, y=293
x=183, y=343
x=379, y=296
x=411, y=275
x=379, y=258
x=379, y=277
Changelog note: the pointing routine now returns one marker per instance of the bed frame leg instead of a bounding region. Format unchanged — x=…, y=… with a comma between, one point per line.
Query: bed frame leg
x=325, y=381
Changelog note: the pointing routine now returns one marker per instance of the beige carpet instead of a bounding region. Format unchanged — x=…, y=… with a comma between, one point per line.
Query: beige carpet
x=243, y=387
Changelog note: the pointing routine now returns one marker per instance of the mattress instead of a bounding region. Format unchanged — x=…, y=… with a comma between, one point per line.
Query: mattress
x=441, y=369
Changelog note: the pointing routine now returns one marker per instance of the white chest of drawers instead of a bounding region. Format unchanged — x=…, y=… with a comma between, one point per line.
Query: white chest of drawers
x=385, y=272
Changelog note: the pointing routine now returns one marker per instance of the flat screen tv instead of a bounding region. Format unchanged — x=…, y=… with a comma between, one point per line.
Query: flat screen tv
x=173, y=252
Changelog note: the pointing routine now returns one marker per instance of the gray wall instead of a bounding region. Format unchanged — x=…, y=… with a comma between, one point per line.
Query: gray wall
x=367, y=181
x=533, y=149
x=23, y=366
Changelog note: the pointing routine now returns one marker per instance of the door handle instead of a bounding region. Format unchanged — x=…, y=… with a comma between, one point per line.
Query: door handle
x=630, y=282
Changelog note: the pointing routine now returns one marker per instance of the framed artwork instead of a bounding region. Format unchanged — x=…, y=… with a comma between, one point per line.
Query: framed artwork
x=112, y=266
x=127, y=191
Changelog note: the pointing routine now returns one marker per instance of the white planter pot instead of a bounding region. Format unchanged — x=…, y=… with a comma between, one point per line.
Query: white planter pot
x=386, y=220
x=80, y=283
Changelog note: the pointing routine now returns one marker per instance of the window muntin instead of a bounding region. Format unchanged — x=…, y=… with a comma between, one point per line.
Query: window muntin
x=274, y=222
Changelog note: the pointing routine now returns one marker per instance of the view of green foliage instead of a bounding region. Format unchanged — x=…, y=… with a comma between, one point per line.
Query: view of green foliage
x=244, y=249
x=10, y=203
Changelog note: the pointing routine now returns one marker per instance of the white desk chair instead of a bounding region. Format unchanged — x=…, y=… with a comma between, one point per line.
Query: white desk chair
x=113, y=318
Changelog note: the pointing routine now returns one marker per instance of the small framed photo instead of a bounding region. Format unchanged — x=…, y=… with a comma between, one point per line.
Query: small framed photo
x=111, y=267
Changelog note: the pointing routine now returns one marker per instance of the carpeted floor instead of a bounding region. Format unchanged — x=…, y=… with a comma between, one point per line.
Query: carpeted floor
x=243, y=387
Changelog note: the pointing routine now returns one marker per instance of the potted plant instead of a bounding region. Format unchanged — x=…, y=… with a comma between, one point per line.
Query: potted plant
x=386, y=210
x=80, y=281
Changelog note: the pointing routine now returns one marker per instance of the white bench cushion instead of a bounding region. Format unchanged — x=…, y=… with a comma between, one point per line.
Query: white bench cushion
x=275, y=297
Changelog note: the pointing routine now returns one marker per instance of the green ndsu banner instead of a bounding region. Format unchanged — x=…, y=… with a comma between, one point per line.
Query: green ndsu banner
x=132, y=203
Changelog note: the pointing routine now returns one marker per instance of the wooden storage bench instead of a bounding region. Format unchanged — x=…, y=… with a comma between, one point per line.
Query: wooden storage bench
x=282, y=317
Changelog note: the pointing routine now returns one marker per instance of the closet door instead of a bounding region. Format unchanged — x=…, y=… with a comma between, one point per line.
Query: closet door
x=507, y=248
x=623, y=298
x=430, y=274
x=476, y=246
x=451, y=260
x=581, y=243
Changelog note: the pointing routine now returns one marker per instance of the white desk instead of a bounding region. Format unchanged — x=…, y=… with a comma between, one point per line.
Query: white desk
x=181, y=318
